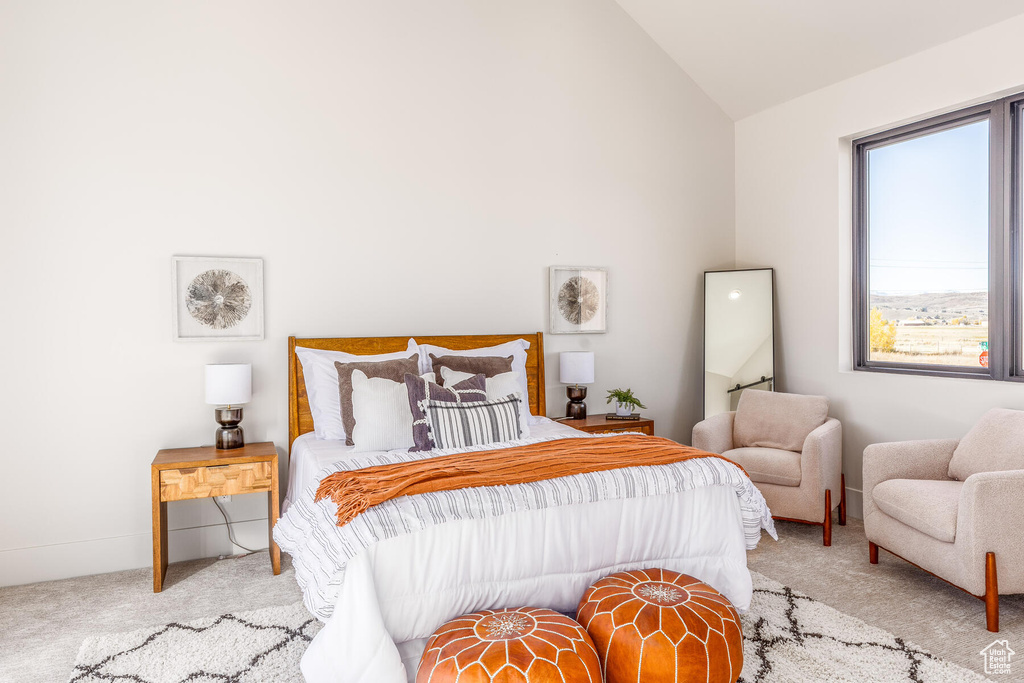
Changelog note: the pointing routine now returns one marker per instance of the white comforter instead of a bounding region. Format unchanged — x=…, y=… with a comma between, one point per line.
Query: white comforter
x=386, y=581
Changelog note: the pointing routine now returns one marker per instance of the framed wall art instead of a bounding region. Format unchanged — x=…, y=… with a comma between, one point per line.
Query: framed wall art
x=217, y=299
x=579, y=300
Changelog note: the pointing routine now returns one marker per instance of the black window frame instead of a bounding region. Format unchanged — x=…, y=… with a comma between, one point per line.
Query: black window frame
x=1006, y=208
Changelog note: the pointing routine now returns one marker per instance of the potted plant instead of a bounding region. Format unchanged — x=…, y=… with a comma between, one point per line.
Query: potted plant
x=625, y=401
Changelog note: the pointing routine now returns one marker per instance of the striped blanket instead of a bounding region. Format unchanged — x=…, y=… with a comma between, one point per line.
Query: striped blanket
x=320, y=548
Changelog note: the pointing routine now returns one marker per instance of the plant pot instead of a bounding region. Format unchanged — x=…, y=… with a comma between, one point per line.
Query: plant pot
x=623, y=409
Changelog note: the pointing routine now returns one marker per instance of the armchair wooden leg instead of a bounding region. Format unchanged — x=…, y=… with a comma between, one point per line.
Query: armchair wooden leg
x=828, y=518
x=842, y=500
x=991, y=594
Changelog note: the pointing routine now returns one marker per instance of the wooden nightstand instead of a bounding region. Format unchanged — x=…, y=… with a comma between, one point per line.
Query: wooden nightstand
x=205, y=472
x=600, y=424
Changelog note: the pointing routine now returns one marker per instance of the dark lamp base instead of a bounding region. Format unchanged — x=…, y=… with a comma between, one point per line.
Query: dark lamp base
x=576, y=409
x=230, y=434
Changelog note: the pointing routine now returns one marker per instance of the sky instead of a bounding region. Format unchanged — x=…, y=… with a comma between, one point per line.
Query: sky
x=928, y=213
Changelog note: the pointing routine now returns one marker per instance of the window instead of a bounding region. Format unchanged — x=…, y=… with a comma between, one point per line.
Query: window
x=937, y=266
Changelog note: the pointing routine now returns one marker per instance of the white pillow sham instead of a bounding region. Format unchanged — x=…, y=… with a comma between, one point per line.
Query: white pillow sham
x=516, y=349
x=321, y=378
x=381, y=410
x=497, y=387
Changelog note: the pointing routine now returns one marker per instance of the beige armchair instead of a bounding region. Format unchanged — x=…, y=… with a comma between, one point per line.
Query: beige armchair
x=951, y=507
x=790, y=448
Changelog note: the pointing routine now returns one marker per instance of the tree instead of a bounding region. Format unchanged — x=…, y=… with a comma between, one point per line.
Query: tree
x=883, y=332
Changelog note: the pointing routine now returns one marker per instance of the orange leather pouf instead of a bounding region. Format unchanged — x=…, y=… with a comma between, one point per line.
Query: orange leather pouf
x=658, y=626
x=525, y=645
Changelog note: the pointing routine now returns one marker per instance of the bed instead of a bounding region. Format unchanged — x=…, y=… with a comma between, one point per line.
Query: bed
x=385, y=581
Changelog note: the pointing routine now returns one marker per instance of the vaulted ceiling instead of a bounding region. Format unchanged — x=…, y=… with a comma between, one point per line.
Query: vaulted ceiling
x=748, y=55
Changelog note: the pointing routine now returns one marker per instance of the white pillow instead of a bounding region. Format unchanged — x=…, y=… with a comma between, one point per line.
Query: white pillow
x=516, y=349
x=497, y=387
x=321, y=378
x=381, y=410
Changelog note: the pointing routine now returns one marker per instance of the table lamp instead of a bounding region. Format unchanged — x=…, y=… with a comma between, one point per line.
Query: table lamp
x=576, y=368
x=228, y=385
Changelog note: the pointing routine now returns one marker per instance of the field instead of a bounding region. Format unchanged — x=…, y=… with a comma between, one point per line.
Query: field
x=937, y=345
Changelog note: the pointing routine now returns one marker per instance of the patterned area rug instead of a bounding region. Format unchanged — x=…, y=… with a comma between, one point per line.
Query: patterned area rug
x=247, y=647
x=788, y=638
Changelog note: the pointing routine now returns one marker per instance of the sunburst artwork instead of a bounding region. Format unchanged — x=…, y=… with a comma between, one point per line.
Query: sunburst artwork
x=217, y=299
x=579, y=299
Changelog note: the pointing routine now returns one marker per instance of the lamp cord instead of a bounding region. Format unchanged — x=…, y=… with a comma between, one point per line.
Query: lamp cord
x=231, y=535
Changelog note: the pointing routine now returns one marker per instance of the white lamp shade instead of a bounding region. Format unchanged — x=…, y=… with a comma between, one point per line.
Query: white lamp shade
x=228, y=384
x=576, y=367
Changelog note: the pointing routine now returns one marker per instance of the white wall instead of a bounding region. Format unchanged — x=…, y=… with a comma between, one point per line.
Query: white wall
x=793, y=212
x=401, y=167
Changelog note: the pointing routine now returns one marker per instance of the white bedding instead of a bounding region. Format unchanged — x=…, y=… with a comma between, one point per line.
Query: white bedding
x=310, y=455
x=387, y=580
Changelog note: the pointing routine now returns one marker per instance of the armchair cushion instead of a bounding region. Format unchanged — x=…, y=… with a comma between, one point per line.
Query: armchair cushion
x=929, y=506
x=769, y=419
x=768, y=465
x=994, y=444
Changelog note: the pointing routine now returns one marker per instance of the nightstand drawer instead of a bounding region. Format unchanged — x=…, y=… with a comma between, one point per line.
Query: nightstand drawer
x=217, y=480
x=600, y=424
x=644, y=429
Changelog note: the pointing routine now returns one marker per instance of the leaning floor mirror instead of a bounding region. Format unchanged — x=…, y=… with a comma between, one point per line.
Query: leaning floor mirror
x=739, y=336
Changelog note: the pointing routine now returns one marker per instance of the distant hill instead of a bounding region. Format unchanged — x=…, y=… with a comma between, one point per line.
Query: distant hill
x=944, y=305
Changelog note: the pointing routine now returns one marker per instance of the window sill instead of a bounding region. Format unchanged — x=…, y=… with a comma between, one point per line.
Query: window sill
x=931, y=372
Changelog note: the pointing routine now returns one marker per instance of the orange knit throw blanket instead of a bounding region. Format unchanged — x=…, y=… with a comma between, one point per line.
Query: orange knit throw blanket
x=355, y=491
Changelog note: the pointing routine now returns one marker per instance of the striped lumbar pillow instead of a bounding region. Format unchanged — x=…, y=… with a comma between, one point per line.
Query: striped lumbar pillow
x=458, y=425
x=470, y=389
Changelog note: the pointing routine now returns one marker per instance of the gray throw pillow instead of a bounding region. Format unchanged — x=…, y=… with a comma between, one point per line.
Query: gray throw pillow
x=393, y=370
x=995, y=444
x=489, y=366
x=472, y=390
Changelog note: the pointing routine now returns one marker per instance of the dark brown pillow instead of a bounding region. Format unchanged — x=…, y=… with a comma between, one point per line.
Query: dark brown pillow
x=488, y=366
x=393, y=370
x=470, y=390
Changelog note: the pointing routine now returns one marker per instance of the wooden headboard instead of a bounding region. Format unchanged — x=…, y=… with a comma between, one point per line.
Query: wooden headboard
x=300, y=420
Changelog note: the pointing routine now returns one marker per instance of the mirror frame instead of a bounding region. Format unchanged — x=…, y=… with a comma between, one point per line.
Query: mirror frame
x=704, y=334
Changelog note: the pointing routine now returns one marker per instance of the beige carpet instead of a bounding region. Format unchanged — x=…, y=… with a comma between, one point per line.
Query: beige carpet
x=42, y=625
x=892, y=595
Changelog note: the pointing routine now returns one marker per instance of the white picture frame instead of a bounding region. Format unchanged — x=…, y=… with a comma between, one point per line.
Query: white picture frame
x=217, y=298
x=578, y=301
